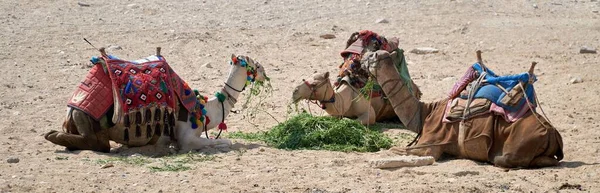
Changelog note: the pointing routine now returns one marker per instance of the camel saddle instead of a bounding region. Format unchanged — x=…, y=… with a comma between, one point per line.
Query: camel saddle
x=141, y=91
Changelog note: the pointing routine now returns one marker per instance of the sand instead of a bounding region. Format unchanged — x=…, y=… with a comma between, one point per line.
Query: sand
x=43, y=58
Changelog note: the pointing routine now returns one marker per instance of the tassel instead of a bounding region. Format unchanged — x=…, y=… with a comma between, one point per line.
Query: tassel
x=220, y=96
x=193, y=121
x=222, y=126
x=138, y=131
x=148, y=131
x=157, y=130
x=196, y=92
x=126, y=135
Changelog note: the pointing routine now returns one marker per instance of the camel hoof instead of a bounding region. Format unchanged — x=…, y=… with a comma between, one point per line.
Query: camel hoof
x=398, y=150
x=51, y=135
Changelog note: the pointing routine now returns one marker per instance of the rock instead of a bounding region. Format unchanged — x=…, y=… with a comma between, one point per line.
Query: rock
x=83, y=4
x=114, y=47
x=12, y=160
x=594, y=11
x=535, y=6
x=587, y=50
x=207, y=65
x=133, y=6
x=424, y=50
x=327, y=36
x=108, y=165
x=576, y=80
x=402, y=161
x=383, y=20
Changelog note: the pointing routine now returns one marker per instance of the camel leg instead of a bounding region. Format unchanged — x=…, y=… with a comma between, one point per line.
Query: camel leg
x=192, y=142
x=434, y=151
x=87, y=139
x=543, y=161
x=368, y=118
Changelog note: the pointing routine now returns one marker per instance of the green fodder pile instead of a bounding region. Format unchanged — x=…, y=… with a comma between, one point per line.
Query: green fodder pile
x=305, y=131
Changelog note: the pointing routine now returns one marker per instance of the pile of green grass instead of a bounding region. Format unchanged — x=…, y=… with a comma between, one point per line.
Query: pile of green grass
x=305, y=131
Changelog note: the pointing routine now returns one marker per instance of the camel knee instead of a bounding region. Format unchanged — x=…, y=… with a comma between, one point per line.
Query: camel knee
x=543, y=161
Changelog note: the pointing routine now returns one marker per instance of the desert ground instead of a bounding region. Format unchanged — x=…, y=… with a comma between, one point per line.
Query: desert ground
x=43, y=58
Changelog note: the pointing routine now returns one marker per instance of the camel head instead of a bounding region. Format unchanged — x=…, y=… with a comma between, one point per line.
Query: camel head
x=245, y=71
x=373, y=61
x=317, y=88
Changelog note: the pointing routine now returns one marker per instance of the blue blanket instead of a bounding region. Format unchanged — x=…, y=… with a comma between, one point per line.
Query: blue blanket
x=492, y=92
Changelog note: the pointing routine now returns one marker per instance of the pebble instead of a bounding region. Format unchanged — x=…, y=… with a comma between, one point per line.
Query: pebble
x=115, y=47
x=576, y=80
x=12, y=160
x=207, y=65
x=133, y=6
x=587, y=50
x=383, y=20
x=327, y=36
x=535, y=6
x=83, y=4
x=424, y=50
x=402, y=161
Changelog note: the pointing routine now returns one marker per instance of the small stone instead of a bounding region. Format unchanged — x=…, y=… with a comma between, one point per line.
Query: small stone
x=383, y=20
x=83, y=4
x=13, y=160
x=114, y=47
x=424, y=50
x=587, y=50
x=133, y=6
x=108, y=165
x=327, y=36
x=535, y=6
x=594, y=11
x=576, y=80
x=207, y=65
x=402, y=161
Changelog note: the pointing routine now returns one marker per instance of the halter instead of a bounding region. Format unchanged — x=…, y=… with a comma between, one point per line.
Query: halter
x=314, y=92
x=251, y=74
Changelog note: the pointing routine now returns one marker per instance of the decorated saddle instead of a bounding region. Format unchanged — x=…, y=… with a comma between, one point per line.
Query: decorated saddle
x=510, y=96
x=146, y=94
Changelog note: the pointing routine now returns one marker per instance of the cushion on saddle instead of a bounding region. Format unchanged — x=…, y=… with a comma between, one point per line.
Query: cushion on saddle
x=505, y=92
x=94, y=95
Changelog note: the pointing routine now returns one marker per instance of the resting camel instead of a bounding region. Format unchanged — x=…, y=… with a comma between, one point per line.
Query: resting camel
x=529, y=142
x=146, y=127
x=345, y=100
x=351, y=73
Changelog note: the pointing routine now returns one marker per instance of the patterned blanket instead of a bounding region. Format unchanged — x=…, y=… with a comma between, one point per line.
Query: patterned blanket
x=144, y=86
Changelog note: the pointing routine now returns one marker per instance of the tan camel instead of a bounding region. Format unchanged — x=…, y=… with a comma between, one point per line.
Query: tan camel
x=86, y=133
x=351, y=71
x=529, y=142
x=343, y=101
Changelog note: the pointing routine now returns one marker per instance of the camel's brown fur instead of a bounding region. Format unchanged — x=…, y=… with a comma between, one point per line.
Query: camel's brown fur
x=530, y=142
x=349, y=102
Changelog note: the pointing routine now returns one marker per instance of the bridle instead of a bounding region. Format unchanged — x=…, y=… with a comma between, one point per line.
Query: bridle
x=314, y=89
x=251, y=74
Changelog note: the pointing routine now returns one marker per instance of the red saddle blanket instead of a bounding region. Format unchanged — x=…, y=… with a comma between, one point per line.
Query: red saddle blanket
x=133, y=86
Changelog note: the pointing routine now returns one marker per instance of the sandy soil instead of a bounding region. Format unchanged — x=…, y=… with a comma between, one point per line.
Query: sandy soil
x=43, y=58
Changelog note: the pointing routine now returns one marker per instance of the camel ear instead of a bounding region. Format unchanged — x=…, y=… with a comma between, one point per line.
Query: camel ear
x=326, y=75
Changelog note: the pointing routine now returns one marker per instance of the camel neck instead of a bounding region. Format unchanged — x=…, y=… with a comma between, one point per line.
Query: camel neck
x=406, y=106
x=337, y=106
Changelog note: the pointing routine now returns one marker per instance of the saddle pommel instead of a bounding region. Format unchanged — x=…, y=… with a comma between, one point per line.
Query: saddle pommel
x=532, y=67
x=158, y=51
x=103, y=51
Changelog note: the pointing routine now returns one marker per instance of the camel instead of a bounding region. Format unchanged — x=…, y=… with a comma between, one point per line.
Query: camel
x=83, y=132
x=529, y=142
x=344, y=100
x=350, y=70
